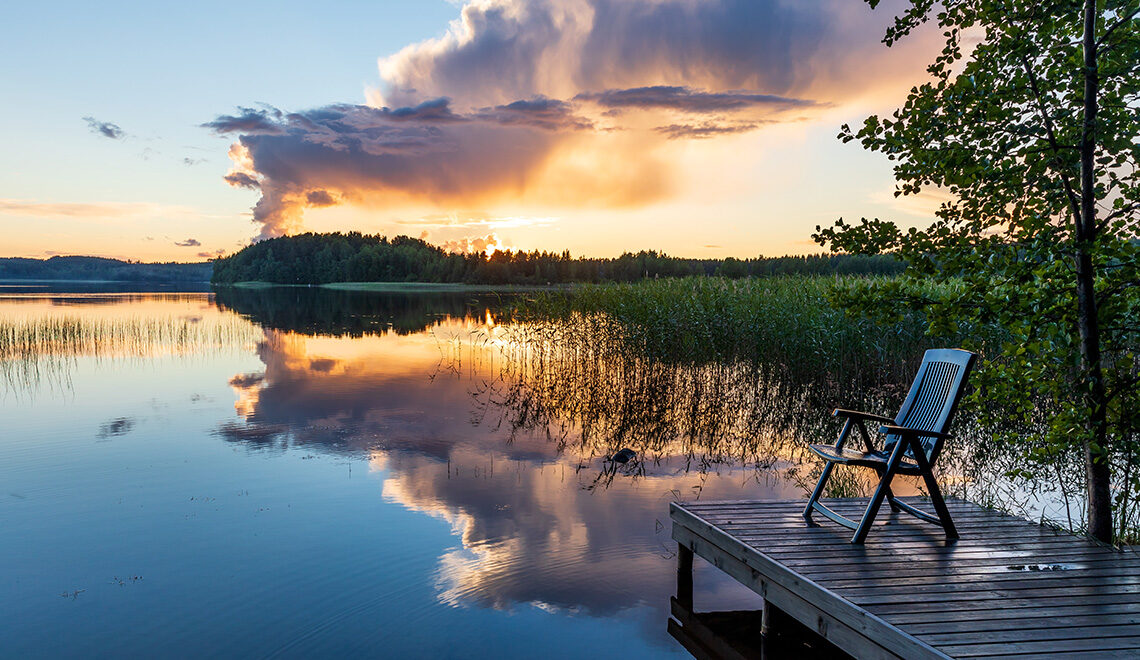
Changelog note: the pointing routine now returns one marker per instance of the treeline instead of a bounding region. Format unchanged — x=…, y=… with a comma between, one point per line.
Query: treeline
x=354, y=257
x=100, y=268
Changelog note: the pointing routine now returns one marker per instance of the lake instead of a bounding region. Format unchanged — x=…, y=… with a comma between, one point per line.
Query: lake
x=302, y=472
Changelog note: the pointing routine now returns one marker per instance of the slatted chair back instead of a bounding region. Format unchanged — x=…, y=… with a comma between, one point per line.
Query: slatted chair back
x=934, y=396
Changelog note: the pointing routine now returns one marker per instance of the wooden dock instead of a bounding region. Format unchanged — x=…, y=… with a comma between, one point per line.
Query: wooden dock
x=1008, y=588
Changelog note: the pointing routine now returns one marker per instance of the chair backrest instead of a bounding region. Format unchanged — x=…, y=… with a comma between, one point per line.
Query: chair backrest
x=934, y=396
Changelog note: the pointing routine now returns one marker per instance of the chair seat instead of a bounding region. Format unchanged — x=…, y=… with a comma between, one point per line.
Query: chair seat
x=871, y=459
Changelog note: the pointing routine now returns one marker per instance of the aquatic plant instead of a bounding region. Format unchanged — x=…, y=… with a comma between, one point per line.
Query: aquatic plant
x=40, y=349
x=721, y=372
x=728, y=373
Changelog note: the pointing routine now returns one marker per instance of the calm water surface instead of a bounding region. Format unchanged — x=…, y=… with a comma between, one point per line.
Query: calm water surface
x=298, y=473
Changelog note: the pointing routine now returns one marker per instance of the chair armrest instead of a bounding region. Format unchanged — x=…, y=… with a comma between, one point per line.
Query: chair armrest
x=856, y=415
x=891, y=429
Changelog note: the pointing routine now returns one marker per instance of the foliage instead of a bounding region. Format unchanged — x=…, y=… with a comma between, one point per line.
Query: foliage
x=354, y=257
x=100, y=268
x=1034, y=131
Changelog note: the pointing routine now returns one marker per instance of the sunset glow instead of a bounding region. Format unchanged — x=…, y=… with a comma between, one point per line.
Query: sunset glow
x=700, y=129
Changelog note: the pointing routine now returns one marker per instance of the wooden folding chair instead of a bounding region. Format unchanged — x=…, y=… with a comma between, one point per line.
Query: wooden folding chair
x=913, y=441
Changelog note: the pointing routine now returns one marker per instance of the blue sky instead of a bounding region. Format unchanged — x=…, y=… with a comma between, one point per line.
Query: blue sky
x=763, y=176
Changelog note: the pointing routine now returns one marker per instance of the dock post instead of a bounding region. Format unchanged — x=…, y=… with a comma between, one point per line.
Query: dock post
x=685, y=576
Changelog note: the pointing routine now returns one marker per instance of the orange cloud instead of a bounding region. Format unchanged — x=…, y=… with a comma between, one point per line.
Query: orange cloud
x=485, y=244
x=557, y=104
x=365, y=155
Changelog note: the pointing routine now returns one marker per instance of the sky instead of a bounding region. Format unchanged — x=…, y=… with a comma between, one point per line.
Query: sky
x=701, y=128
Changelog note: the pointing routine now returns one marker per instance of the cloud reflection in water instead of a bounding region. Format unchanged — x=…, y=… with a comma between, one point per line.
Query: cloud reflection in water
x=532, y=527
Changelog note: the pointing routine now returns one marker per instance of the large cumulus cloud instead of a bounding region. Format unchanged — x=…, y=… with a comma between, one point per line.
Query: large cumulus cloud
x=558, y=102
x=360, y=153
x=499, y=50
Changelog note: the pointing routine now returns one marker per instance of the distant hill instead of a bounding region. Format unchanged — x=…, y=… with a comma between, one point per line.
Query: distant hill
x=354, y=257
x=100, y=268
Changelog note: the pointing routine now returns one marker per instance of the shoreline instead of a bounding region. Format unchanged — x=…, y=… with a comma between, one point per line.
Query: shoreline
x=408, y=287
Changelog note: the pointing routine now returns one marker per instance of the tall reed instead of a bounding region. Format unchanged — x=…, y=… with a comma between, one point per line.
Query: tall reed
x=39, y=349
x=721, y=372
x=785, y=323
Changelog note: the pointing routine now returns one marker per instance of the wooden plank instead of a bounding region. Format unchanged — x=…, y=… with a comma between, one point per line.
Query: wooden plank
x=959, y=598
x=1051, y=581
x=842, y=583
x=850, y=639
x=952, y=503
x=919, y=530
x=1087, y=654
x=761, y=527
x=913, y=500
x=789, y=511
x=737, y=515
x=828, y=541
x=925, y=597
x=887, y=535
x=1041, y=647
x=720, y=514
x=796, y=516
x=1032, y=551
x=947, y=569
x=1039, y=623
x=980, y=531
x=999, y=560
x=1007, y=635
x=905, y=544
x=749, y=565
x=962, y=616
x=1042, y=605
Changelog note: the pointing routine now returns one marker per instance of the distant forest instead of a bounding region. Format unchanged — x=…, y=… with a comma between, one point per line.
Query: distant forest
x=354, y=257
x=99, y=268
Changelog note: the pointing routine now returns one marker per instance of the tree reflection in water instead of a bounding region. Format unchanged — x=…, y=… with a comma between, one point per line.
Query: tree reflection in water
x=337, y=313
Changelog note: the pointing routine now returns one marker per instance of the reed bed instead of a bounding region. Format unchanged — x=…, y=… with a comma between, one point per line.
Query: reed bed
x=785, y=323
x=720, y=372
x=41, y=349
x=729, y=372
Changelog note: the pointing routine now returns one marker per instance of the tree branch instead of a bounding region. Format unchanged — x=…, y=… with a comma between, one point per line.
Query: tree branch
x=1123, y=20
x=1120, y=212
x=1074, y=202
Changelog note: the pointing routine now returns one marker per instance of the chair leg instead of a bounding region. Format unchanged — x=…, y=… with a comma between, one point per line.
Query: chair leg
x=818, y=492
x=935, y=491
x=895, y=508
x=880, y=493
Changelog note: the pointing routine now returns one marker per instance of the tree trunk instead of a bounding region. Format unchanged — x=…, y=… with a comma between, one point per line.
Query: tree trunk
x=1096, y=442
